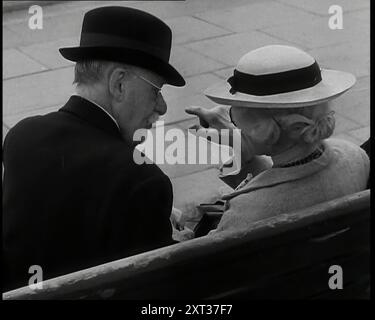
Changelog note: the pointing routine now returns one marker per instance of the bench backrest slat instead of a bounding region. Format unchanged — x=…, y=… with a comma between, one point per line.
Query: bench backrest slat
x=287, y=256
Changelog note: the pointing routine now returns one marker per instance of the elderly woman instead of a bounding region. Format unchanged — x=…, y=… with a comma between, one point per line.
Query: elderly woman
x=280, y=99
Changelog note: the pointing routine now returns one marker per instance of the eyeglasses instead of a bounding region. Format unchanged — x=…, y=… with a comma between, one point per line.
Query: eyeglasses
x=149, y=82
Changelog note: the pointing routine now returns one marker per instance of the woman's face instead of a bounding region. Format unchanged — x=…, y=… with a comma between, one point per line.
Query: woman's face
x=255, y=126
x=246, y=118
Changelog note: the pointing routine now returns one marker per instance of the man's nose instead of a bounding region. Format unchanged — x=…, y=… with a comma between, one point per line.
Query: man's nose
x=161, y=106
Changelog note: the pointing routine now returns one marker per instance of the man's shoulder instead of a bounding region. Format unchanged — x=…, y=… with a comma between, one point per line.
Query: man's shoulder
x=43, y=122
x=62, y=131
x=57, y=128
x=29, y=126
x=33, y=121
x=126, y=160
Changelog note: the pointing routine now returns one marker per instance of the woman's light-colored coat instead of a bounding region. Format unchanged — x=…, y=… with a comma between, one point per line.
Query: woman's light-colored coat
x=342, y=169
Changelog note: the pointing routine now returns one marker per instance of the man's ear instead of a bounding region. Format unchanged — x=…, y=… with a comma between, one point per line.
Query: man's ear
x=117, y=83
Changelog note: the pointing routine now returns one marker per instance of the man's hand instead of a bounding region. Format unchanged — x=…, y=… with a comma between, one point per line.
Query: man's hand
x=177, y=219
x=182, y=235
x=180, y=232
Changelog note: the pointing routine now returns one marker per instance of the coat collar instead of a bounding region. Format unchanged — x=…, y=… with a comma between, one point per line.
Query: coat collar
x=276, y=176
x=89, y=112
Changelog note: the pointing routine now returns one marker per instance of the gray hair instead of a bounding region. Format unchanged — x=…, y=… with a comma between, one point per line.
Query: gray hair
x=89, y=71
x=309, y=124
x=92, y=71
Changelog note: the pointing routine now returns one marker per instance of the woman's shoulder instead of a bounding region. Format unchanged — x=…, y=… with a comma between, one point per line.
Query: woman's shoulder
x=349, y=160
x=346, y=148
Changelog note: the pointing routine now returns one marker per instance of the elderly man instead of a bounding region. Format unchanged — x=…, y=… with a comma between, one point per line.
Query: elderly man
x=73, y=196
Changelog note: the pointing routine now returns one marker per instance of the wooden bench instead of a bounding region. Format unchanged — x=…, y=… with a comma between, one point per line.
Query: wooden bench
x=284, y=257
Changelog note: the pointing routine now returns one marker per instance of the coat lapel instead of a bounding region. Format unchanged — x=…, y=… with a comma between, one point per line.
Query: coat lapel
x=90, y=113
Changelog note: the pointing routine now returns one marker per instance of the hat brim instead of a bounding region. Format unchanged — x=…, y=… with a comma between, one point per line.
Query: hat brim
x=333, y=84
x=126, y=55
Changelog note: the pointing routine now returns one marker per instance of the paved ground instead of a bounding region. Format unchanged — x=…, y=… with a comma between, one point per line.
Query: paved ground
x=209, y=38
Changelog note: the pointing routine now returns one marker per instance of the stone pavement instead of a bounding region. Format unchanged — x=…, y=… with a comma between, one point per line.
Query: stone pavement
x=209, y=38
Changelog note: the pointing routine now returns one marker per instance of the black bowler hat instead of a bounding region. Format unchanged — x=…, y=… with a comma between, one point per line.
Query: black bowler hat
x=126, y=35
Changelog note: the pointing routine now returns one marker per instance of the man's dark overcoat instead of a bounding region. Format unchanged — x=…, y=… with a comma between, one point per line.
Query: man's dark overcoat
x=73, y=197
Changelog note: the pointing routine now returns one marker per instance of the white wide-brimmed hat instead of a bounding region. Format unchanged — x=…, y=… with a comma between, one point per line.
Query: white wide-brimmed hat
x=278, y=76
